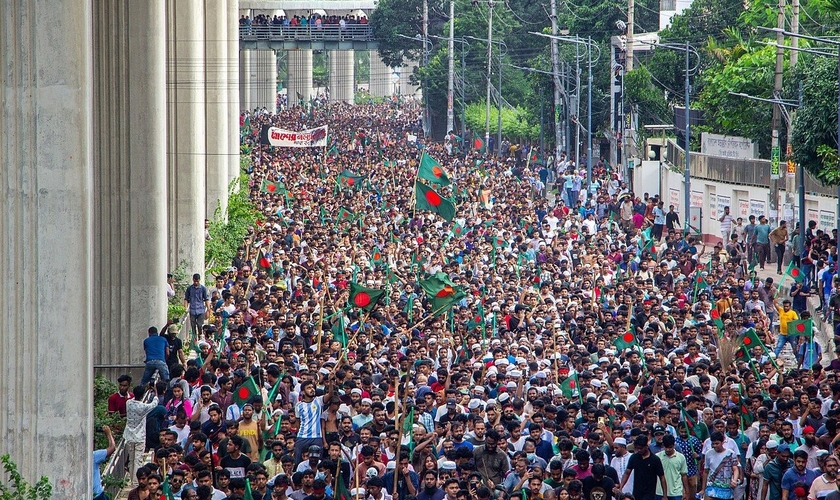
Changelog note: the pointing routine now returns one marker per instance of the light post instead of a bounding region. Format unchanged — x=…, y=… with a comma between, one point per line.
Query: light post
x=783, y=106
x=427, y=131
x=835, y=43
x=450, y=109
x=590, y=62
x=688, y=49
x=502, y=45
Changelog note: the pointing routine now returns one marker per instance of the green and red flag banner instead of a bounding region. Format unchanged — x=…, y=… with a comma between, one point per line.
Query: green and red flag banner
x=364, y=298
x=801, y=328
x=625, y=340
x=569, y=386
x=166, y=489
x=715, y=314
x=263, y=260
x=249, y=494
x=458, y=231
x=749, y=339
x=376, y=256
x=348, y=179
x=246, y=391
x=344, y=214
x=341, y=492
x=441, y=292
x=268, y=186
x=431, y=171
x=795, y=273
x=425, y=198
x=338, y=331
x=478, y=144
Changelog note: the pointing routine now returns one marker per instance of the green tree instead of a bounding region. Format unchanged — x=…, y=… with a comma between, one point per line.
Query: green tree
x=814, y=133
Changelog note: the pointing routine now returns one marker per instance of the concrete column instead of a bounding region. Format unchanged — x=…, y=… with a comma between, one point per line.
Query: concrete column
x=263, y=79
x=300, y=75
x=406, y=87
x=46, y=232
x=186, y=151
x=129, y=159
x=232, y=23
x=245, y=80
x=380, y=76
x=342, y=76
x=217, y=108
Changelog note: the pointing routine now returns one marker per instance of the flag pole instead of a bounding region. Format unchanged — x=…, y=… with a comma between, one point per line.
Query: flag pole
x=321, y=319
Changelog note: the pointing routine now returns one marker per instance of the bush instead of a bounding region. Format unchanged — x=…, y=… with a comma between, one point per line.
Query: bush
x=229, y=229
x=102, y=389
x=18, y=488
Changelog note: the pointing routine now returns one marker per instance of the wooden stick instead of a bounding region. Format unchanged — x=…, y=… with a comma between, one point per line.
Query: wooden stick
x=321, y=321
x=400, y=435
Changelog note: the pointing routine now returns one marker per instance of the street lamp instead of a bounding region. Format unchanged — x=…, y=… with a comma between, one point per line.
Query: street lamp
x=450, y=97
x=784, y=105
x=688, y=49
x=589, y=46
x=835, y=43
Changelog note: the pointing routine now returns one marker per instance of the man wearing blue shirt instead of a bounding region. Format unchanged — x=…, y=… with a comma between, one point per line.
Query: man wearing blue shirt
x=798, y=473
x=99, y=457
x=157, y=350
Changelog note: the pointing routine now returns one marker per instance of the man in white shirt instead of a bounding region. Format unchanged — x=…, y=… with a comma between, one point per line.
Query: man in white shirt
x=135, y=429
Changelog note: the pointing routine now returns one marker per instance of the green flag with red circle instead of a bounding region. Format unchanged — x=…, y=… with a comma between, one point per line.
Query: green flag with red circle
x=425, y=198
x=364, y=298
x=801, y=328
x=625, y=340
x=569, y=386
x=349, y=179
x=749, y=339
x=246, y=391
x=715, y=314
x=795, y=273
x=431, y=171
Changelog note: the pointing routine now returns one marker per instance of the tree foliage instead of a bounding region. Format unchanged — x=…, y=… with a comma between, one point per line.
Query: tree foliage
x=515, y=124
x=814, y=134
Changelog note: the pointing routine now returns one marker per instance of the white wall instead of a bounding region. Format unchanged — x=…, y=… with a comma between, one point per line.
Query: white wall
x=711, y=196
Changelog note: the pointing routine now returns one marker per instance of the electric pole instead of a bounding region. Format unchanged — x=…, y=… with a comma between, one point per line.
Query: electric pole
x=450, y=95
x=775, y=156
x=489, y=73
x=790, y=166
x=631, y=15
x=555, y=72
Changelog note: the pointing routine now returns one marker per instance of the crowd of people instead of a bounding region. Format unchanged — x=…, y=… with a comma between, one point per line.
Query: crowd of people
x=544, y=343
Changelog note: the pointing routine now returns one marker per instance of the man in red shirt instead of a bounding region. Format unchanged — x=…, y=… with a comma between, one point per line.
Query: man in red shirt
x=116, y=401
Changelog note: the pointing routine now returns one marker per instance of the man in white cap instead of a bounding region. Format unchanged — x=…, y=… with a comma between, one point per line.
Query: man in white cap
x=365, y=416
x=619, y=462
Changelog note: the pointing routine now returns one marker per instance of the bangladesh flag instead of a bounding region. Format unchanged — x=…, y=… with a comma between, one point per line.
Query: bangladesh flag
x=794, y=272
x=801, y=328
x=348, y=179
x=478, y=144
x=625, y=340
x=344, y=214
x=749, y=340
x=376, y=256
x=458, y=230
x=338, y=331
x=364, y=298
x=166, y=489
x=268, y=186
x=715, y=314
x=246, y=391
x=425, y=198
x=442, y=293
x=341, y=492
x=569, y=386
x=431, y=171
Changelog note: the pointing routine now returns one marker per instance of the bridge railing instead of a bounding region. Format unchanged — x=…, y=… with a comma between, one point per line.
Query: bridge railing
x=331, y=32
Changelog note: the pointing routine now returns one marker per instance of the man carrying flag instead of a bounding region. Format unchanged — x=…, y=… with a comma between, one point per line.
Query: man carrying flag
x=786, y=316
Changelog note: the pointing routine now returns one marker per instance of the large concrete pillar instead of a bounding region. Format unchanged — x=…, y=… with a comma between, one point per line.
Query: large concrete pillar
x=46, y=365
x=245, y=80
x=217, y=109
x=263, y=79
x=342, y=76
x=232, y=23
x=381, y=84
x=186, y=150
x=299, y=69
x=129, y=159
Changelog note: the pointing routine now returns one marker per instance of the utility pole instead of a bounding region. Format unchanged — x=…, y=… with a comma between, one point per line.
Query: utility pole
x=589, y=119
x=489, y=73
x=450, y=95
x=555, y=72
x=775, y=156
x=427, y=126
x=499, y=91
x=790, y=166
x=631, y=15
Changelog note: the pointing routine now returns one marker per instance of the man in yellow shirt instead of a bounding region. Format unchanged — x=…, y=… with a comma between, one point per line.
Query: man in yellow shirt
x=786, y=315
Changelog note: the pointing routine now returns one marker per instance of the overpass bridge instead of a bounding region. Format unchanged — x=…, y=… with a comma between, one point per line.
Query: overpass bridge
x=263, y=34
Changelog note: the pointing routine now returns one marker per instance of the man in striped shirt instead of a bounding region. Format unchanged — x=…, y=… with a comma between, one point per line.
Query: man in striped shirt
x=308, y=411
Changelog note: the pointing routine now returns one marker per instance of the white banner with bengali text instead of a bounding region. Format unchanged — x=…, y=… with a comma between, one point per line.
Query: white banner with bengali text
x=312, y=138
